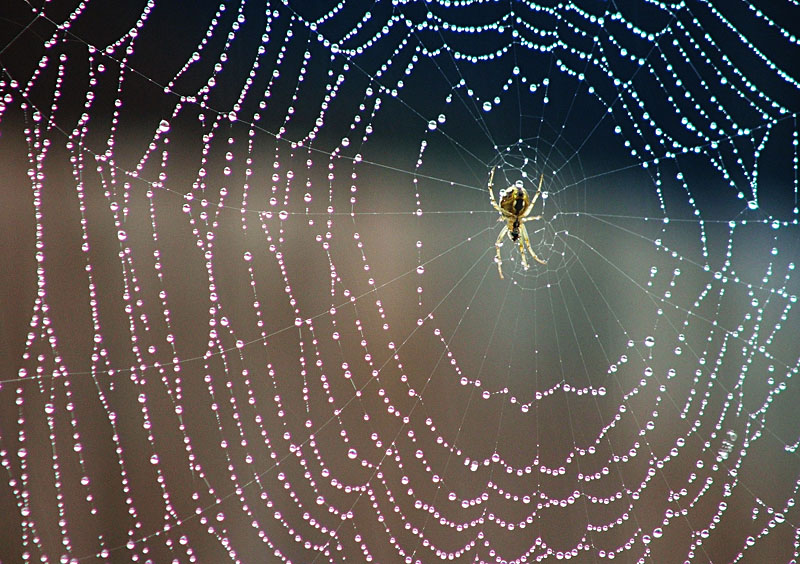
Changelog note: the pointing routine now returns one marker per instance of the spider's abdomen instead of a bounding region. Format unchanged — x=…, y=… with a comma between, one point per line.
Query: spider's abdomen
x=519, y=203
x=514, y=200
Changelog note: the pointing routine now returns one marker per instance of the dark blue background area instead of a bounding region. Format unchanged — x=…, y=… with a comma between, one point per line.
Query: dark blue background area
x=636, y=230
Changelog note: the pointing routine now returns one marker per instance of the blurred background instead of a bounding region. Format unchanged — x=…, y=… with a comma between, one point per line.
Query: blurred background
x=251, y=311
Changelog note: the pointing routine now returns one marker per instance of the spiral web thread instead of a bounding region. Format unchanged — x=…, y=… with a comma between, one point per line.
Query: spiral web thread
x=266, y=322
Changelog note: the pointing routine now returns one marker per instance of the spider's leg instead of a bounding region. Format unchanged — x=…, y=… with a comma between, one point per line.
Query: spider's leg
x=522, y=249
x=491, y=192
x=497, y=245
x=534, y=218
x=524, y=233
x=535, y=197
x=539, y=189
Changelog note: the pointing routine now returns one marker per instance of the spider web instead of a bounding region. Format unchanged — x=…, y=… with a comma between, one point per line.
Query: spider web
x=251, y=310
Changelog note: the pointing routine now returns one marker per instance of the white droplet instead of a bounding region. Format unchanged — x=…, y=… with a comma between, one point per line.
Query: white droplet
x=351, y=454
x=154, y=459
x=163, y=127
x=121, y=235
x=649, y=341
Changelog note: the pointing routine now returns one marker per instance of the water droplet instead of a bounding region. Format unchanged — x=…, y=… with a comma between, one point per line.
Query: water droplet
x=163, y=127
x=307, y=198
x=420, y=269
x=352, y=453
x=248, y=256
x=649, y=341
x=121, y=235
x=487, y=106
x=154, y=459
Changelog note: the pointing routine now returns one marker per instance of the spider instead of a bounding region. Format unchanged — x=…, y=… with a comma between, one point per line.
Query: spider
x=515, y=207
